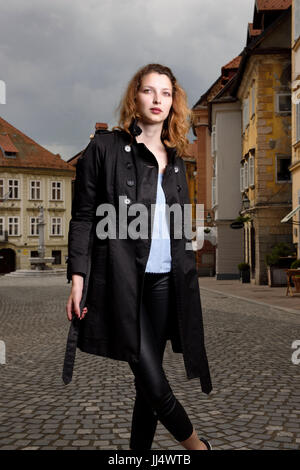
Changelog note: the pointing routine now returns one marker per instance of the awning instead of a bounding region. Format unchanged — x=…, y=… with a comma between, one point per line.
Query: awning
x=290, y=214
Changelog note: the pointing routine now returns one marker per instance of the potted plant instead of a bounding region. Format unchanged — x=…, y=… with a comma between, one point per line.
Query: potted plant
x=277, y=261
x=244, y=269
x=296, y=277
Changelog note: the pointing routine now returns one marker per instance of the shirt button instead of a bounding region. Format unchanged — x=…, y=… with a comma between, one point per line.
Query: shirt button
x=129, y=164
x=176, y=169
x=130, y=182
x=127, y=148
x=127, y=200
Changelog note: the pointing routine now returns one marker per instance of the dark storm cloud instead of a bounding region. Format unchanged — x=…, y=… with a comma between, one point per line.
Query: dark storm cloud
x=67, y=63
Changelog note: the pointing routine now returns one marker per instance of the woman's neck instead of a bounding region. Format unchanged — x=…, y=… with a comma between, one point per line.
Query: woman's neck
x=151, y=135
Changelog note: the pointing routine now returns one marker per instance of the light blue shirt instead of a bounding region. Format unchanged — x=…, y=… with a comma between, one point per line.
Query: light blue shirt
x=159, y=260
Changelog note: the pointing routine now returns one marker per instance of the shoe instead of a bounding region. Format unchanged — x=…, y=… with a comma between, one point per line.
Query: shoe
x=208, y=444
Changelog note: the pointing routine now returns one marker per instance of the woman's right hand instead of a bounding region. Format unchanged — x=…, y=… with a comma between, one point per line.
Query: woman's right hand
x=73, y=304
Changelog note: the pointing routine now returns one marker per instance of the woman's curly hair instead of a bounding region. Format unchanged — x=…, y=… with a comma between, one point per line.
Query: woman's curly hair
x=179, y=120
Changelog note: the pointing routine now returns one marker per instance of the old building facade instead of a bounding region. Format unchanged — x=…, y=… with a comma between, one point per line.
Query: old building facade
x=31, y=177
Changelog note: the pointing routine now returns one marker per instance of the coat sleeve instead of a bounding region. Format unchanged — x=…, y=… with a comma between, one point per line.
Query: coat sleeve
x=84, y=206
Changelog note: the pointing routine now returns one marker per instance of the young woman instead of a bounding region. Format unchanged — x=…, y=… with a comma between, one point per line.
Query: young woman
x=130, y=293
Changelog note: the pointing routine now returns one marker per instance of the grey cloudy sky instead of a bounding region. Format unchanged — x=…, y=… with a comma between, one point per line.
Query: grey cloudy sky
x=66, y=63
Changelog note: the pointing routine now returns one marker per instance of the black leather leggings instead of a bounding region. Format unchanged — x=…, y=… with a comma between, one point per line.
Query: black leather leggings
x=154, y=397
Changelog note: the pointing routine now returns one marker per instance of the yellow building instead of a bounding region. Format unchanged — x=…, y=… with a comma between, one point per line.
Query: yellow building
x=294, y=220
x=31, y=177
x=263, y=87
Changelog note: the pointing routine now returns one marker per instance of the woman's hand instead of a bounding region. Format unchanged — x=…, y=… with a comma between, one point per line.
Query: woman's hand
x=73, y=305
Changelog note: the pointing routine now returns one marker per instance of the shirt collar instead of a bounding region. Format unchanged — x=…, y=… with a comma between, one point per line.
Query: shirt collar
x=135, y=130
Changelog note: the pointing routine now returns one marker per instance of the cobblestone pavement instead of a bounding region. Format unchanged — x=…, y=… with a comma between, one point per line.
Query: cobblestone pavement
x=255, y=403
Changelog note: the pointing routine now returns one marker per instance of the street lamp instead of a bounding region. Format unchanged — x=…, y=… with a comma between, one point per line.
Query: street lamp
x=245, y=202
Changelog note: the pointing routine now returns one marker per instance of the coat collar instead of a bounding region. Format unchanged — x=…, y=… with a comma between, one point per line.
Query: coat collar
x=135, y=131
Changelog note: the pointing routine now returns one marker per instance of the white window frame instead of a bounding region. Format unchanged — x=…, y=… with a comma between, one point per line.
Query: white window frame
x=285, y=157
x=251, y=170
x=277, y=96
x=33, y=190
x=241, y=179
x=31, y=224
x=11, y=190
x=52, y=183
x=17, y=222
x=52, y=225
x=246, y=176
x=246, y=113
x=213, y=191
x=214, y=140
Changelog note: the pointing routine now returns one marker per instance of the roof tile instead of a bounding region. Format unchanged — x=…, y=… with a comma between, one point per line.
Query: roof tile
x=28, y=152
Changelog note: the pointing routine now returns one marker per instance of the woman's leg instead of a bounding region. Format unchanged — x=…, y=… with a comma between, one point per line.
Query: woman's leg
x=155, y=399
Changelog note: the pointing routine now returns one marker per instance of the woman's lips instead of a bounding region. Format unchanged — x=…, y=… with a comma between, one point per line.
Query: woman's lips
x=156, y=110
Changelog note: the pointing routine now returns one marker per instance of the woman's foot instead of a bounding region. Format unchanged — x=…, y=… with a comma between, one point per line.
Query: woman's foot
x=194, y=443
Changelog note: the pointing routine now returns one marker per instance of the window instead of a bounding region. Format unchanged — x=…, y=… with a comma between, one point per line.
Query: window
x=297, y=122
x=1, y=226
x=251, y=170
x=1, y=188
x=34, y=229
x=34, y=254
x=13, y=187
x=10, y=154
x=253, y=100
x=13, y=226
x=245, y=113
x=283, y=102
x=246, y=181
x=213, y=192
x=35, y=189
x=56, y=254
x=283, y=173
x=213, y=141
x=242, y=179
x=56, y=227
x=56, y=190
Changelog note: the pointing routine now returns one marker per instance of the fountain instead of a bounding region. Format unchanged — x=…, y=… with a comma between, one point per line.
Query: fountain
x=40, y=262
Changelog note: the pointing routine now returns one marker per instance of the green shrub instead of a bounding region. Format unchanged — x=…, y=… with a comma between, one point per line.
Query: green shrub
x=243, y=266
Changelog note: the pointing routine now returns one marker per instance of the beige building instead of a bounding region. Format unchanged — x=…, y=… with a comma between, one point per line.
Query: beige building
x=31, y=177
x=263, y=87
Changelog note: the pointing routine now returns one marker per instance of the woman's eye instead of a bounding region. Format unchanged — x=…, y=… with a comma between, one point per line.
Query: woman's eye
x=167, y=93
x=146, y=90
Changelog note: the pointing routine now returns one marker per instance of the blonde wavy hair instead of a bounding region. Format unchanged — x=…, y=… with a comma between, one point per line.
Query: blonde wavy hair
x=179, y=120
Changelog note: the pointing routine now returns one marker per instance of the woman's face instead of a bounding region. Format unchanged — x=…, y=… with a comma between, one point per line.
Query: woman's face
x=154, y=98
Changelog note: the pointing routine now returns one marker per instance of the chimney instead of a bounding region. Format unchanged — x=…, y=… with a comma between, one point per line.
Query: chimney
x=101, y=125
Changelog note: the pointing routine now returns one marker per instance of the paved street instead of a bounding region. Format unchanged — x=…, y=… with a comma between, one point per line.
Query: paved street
x=255, y=403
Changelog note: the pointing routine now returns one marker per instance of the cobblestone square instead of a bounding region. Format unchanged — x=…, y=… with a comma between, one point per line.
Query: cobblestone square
x=255, y=402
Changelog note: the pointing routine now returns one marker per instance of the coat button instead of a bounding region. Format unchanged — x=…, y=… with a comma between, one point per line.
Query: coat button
x=176, y=169
x=130, y=182
x=178, y=187
x=128, y=164
x=127, y=148
x=127, y=200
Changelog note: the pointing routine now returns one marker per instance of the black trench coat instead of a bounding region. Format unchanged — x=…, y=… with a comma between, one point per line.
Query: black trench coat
x=112, y=165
